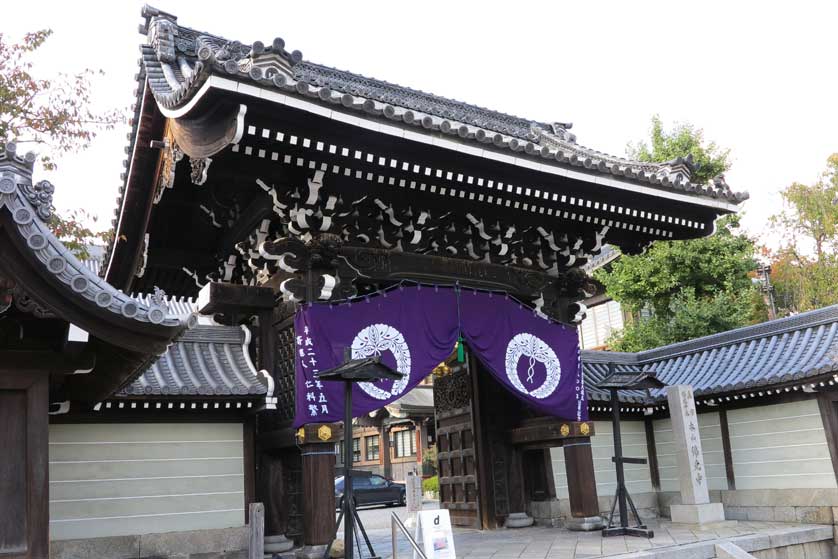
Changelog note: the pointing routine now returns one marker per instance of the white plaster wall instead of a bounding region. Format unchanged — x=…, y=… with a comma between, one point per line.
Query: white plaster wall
x=782, y=446
x=638, y=479
x=710, y=431
x=126, y=479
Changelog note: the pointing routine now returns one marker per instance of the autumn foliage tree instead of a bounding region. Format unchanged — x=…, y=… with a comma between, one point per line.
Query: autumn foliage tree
x=55, y=115
x=804, y=270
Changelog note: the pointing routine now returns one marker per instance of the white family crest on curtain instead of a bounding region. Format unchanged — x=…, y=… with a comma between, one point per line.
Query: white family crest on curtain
x=535, y=350
x=415, y=329
x=372, y=341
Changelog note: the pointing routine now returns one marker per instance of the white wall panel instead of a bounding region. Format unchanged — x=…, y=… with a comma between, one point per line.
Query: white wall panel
x=710, y=431
x=124, y=479
x=781, y=446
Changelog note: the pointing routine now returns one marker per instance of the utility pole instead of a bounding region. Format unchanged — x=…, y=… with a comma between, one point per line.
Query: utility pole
x=767, y=290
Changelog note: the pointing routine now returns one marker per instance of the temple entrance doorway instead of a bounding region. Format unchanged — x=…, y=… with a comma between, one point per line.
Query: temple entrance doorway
x=494, y=451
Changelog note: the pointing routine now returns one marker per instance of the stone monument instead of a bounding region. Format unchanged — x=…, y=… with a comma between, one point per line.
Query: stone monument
x=695, y=507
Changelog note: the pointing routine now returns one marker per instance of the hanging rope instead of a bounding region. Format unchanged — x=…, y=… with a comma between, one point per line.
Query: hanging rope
x=461, y=351
x=456, y=286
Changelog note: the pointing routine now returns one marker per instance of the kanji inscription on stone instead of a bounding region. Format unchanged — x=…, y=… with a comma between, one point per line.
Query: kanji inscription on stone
x=691, y=473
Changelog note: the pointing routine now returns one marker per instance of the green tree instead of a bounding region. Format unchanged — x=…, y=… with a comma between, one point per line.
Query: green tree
x=804, y=271
x=684, y=139
x=54, y=114
x=687, y=288
x=679, y=290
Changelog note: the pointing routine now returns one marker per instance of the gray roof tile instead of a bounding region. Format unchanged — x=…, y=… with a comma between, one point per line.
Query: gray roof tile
x=178, y=61
x=774, y=352
x=206, y=361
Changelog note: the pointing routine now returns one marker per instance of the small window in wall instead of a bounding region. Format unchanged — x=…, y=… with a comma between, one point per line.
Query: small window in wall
x=372, y=446
x=405, y=443
x=356, y=450
x=339, y=451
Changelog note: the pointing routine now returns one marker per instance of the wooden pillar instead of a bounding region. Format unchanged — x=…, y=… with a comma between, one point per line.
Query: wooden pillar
x=386, y=458
x=249, y=464
x=24, y=474
x=421, y=443
x=517, y=491
x=256, y=545
x=652, y=454
x=267, y=337
x=581, y=483
x=317, y=448
x=728, y=454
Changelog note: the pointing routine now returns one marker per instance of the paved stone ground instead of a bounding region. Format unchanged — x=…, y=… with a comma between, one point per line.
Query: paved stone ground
x=554, y=543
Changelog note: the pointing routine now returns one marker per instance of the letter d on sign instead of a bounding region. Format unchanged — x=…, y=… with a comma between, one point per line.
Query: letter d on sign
x=433, y=529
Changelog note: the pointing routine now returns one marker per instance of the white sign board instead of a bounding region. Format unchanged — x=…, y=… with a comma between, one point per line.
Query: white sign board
x=414, y=492
x=434, y=531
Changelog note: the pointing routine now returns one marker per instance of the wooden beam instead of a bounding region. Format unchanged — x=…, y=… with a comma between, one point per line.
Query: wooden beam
x=652, y=452
x=728, y=454
x=384, y=265
x=138, y=197
x=550, y=430
x=229, y=298
x=50, y=361
x=275, y=440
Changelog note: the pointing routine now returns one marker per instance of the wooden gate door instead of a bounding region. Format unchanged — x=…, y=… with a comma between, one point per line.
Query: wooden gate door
x=457, y=447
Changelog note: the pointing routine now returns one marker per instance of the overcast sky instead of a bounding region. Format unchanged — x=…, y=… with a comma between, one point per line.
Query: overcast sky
x=758, y=77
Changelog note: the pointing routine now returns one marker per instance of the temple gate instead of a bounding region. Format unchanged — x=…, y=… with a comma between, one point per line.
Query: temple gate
x=264, y=181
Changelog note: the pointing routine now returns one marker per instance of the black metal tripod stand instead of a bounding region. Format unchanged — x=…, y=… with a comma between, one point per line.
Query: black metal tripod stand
x=367, y=369
x=622, y=497
x=354, y=525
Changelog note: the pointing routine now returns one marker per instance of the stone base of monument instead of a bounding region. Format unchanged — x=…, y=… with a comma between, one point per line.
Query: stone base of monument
x=706, y=513
x=518, y=520
x=584, y=524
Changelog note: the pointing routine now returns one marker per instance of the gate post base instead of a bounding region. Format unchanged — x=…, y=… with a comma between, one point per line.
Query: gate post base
x=585, y=524
x=310, y=552
x=518, y=520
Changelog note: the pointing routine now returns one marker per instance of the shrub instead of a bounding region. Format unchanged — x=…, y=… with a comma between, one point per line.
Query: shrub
x=431, y=485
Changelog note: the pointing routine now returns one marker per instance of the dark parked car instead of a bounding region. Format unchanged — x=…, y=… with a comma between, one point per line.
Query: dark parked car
x=371, y=490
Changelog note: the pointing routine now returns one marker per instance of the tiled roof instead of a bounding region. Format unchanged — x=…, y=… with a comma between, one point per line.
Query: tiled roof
x=420, y=400
x=790, y=351
x=206, y=361
x=178, y=62
x=30, y=204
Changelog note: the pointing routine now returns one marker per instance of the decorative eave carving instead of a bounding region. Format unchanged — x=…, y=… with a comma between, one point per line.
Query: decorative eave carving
x=308, y=213
x=34, y=258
